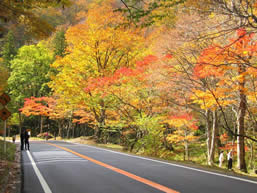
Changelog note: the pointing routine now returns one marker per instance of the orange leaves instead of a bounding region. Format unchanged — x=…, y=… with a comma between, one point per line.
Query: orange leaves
x=185, y=125
x=207, y=70
x=37, y=106
x=44, y=106
x=147, y=60
x=227, y=70
x=216, y=59
x=185, y=120
x=84, y=117
x=123, y=75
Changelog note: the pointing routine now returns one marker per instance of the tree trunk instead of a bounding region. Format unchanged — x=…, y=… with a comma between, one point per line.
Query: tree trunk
x=241, y=164
x=101, y=120
x=68, y=132
x=186, y=157
x=186, y=150
x=218, y=141
x=208, y=135
x=213, y=137
x=41, y=124
x=251, y=163
x=20, y=122
x=59, y=128
x=73, y=131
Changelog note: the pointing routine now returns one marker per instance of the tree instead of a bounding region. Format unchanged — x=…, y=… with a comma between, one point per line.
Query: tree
x=240, y=13
x=60, y=43
x=38, y=107
x=28, y=75
x=184, y=133
x=136, y=109
x=29, y=72
x=9, y=49
x=97, y=48
x=232, y=64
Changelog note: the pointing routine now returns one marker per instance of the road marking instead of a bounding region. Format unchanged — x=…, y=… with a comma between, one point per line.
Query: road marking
x=63, y=161
x=39, y=175
x=181, y=166
x=130, y=175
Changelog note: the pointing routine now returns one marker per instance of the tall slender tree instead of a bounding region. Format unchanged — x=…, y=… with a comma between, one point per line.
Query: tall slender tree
x=9, y=49
x=60, y=43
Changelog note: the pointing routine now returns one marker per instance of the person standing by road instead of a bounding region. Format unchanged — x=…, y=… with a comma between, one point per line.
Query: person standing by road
x=230, y=159
x=22, y=140
x=221, y=158
x=26, y=140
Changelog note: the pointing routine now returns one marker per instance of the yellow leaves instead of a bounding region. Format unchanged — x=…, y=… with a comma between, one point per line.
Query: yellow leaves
x=245, y=52
x=252, y=96
x=97, y=47
x=178, y=122
x=253, y=110
x=212, y=15
x=239, y=78
x=212, y=99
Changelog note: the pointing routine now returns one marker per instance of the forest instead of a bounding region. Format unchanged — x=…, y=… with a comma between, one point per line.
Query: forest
x=173, y=79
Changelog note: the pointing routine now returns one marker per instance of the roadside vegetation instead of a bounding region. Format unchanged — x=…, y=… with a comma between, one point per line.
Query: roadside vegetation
x=171, y=79
x=7, y=163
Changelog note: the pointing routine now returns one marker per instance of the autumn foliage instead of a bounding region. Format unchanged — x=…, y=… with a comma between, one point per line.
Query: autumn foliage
x=136, y=87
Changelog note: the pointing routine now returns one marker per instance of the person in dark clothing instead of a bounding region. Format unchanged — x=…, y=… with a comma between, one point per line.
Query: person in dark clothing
x=22, y=140
x=230, y=159
x=26, y=136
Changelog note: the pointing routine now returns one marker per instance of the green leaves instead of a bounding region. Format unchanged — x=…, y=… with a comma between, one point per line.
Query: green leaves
x=60, y=44
x=145, y=13
x=29, y=72
x=9, y=49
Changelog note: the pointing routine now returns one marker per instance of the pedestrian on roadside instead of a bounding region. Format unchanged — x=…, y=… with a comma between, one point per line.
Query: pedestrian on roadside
x=221, y=158
x=22, y=140
x=230, y=159
x=26, y=140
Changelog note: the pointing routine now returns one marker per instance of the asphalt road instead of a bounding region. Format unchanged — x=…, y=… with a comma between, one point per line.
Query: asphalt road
x=59, y=167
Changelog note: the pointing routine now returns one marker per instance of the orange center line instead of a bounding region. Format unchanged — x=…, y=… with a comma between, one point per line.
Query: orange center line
x=123, y=172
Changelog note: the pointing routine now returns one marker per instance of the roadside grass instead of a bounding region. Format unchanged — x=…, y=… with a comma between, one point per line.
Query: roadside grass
x=90, y=141
x=6, y=160
x=18, y=138
x=10, y=151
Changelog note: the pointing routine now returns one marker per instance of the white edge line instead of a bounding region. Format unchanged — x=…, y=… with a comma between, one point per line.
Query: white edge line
x=181, y=166
x=39, y=175
x=54, y=161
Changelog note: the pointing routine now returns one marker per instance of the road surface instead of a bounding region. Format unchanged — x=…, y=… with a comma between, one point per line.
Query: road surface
x=59, y=167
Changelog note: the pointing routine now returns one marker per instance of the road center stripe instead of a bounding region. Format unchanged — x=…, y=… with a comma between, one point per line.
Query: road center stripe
x=39, y=175
x=130, y=175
